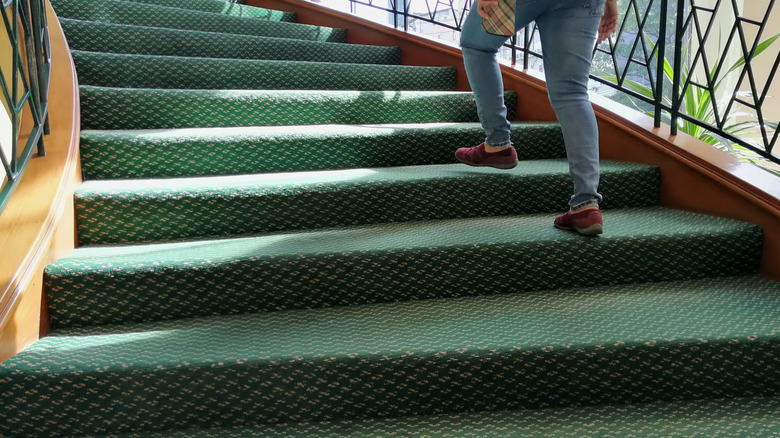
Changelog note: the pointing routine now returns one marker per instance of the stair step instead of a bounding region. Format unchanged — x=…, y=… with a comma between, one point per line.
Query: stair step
x=694, y=339
x=177, y=72
x=107, y=154
x=132, y=108
x=224, y=8
x=140, y=14
x=147, y=210
x=388, y=262
x=95, y=36
x=755, y=417
x=294, y=252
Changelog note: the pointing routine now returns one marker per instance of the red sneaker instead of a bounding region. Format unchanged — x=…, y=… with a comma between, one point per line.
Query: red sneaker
x=477, y=156
x=586, y=221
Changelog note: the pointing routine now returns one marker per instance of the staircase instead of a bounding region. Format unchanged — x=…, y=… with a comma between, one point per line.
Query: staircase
x=275, y=240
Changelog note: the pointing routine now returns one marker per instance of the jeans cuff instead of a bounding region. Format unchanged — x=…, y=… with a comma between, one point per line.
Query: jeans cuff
x=500, y=145
x=584, y=204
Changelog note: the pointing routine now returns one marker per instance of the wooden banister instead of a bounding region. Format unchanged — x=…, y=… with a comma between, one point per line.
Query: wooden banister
x=37, y=225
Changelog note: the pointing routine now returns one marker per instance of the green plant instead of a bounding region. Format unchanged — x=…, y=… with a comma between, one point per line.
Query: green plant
x=699, y=104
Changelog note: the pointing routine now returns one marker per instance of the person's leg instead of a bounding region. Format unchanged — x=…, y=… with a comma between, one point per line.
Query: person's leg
x=479, y=57
x=568, y=36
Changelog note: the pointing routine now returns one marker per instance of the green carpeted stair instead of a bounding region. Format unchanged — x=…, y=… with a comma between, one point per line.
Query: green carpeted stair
x=275, y=240
x=403, y=261
x=93, y=36
x=234, y=8
x=187, y=208
x=157, y=153
x=152, y=15
x=755, y=417
x=133, y=108
x=537, y=350
x=151, y=71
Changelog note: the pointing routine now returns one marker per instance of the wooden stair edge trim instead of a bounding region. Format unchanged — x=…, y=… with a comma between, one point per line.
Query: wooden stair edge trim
x=696, y=176
x=38, y=224
x=687, y=164
x=760, y=186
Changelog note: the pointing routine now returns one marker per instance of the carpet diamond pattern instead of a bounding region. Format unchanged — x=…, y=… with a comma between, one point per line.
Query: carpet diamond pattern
x=276, y=240
x=152, y=15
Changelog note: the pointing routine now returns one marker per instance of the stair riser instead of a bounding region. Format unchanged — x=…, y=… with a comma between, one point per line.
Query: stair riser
x=140, y=14
x=260, y=283
x=126, y=217
x=249, y=391
x=112, y=38
x=149, y=109
x=219, y=7
x=146, y=71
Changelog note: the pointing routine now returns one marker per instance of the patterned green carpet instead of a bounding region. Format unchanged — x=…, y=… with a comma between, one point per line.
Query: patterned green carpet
x=232, y=8
x=93, y=36
x=151, y=71
x=756, y=417
x=667, y=342
x=187, y=208
x=275, y=240
x=162, y=153
x=133, y=108
x=154, y=16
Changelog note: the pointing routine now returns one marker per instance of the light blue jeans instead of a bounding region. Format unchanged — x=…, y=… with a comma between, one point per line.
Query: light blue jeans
x=567, y=29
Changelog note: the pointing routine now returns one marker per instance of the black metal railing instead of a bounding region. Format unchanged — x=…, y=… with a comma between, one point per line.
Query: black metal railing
x=691, y=66
x=24, y=79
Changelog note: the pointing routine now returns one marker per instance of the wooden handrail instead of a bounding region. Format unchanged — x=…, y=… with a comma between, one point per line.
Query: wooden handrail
x=37, y=225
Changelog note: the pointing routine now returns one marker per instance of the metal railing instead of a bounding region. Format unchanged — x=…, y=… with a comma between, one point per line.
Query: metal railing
x=679, y=61
x=25, y=87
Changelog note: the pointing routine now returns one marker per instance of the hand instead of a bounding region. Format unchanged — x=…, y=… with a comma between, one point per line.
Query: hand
x=609, y=21
x=482, y=4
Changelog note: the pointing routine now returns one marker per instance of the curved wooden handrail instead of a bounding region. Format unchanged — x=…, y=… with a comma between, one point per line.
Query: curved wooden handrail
x=695, y=176
x=37, y=225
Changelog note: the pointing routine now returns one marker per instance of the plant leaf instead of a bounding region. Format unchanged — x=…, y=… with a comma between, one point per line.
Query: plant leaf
x=760, y=48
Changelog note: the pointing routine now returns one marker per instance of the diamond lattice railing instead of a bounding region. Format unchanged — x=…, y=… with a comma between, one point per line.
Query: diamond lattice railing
x=714, y=82
x=24, y=81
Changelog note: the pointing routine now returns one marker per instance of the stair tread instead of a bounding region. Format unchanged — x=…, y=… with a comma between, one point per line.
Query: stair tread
x=755, y=417
x=535, y=228
x=181, y=72
x=664, y=341
x=225, y=8
x=128, y=12
x=144, y=210
x=130, y=189
x=93, y=36
x=190, y=152
x=731, y=309
x=239, y=94
x=141, y=108
x=300, y=131
x=390, y=262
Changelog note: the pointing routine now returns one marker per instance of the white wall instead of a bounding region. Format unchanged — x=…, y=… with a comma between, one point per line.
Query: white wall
x=755, y=9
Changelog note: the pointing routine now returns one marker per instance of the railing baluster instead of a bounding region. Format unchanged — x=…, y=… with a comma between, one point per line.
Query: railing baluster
x=679, y=33
x=660, y=47
x=526, y=43
x=14, y=90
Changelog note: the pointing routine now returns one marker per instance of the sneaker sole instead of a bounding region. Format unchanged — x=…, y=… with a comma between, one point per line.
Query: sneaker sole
x=592, y=230
x=495, y=166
